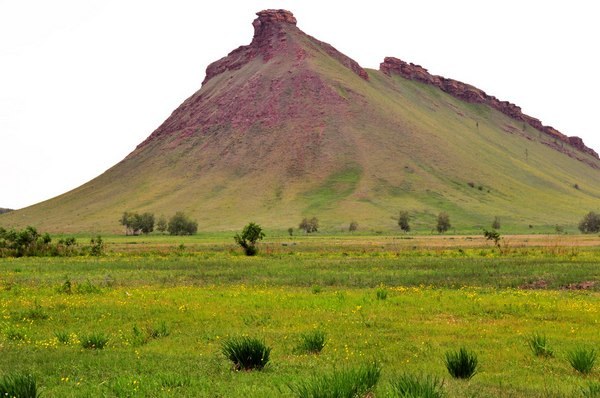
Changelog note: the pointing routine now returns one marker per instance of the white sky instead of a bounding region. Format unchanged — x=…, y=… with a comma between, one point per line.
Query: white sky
x=82, y=82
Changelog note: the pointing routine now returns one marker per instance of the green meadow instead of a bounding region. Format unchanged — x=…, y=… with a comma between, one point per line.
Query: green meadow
x=161, y=308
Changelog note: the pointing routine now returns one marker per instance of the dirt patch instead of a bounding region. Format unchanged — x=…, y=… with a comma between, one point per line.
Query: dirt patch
x=586, y=285
x=535, y=285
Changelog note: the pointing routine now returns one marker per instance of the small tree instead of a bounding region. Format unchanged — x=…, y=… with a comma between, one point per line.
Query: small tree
x=590, y=223
x=443, y=222
x=162, y=224
x=135, y=223
x=310, y=226
x=250, y=235
x=180, y=224
x=403, y=221
x=492, y=235
x=353, y=226
x=496, y=223
x=291, y=231
x=145, y=222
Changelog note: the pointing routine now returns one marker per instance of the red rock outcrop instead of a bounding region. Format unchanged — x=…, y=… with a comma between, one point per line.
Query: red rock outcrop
x=272, y=30
x=471, y=94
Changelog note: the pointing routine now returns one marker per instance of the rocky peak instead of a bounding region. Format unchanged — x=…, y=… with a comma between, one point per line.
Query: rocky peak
x=274, y=34
x=270, y=16
x=468, y=93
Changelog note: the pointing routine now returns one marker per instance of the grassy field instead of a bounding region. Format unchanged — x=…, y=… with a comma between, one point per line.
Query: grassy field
x=166, y=305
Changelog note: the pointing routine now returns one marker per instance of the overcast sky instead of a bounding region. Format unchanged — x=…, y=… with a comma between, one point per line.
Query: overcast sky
x=82, y=82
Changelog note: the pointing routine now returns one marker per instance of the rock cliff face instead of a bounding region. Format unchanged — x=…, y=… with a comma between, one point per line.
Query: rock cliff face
x=272, y=31
x=471, y=94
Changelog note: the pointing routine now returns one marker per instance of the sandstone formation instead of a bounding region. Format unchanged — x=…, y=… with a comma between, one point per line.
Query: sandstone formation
x=271, y=30
x=471, y=94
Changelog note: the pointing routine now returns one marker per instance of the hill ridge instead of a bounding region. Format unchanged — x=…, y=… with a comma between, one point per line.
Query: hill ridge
x=471, y=94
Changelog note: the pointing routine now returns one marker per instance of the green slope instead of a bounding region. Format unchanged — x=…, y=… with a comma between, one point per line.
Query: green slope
x=300, y=134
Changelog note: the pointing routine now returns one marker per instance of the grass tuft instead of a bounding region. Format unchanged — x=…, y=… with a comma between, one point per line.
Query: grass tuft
x=539, y=345
x=14, y=334
x=62, y=337
x=412, y=386
x=382, y=294
x=313, y=342
x=591, y=390
x=159, y=331
x=350, y=383
x=19, y=386
x=582, y=360
x=246, y=353
x=95, y=341
x=461, y=364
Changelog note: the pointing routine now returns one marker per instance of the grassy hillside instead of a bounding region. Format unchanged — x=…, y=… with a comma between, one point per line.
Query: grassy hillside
x=300, y=134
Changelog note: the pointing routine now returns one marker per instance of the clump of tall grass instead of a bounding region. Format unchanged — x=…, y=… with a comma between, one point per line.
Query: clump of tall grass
x=34, y=313
x=142, y=336
x=582, y=360
x=539, y=345
x=246, y=353
x=94, y=341
x=158, y=331
x=382, y=294
x=461, y=364
x=349, y=383
x=14, y=334
x=62, y=337
x=412, y=386
x=174, y=380
x=19, y=386
x=312, y=342
x=87, y=287
x=591, y=390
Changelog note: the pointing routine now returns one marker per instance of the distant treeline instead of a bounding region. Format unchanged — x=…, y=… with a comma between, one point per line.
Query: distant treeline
x=3, y=210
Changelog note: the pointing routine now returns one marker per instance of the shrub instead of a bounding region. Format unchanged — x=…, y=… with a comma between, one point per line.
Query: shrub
x=443, y=222
x=310, y=226
x=180, y=224
x=411, y=386
x=350, y=383
x=590, y=223
x=403, y=221
x=135, y=223
x=492, y=235
x=291, y=231
x=353, y=226
x=539, y=345
x=250, y=235
x=312, y=342
x=18, y=386
x=246, y=353
x=461, y=364
x=161, y=224
x=95, y=341
x=582, y=360
x=496, y=223
x=96, y=246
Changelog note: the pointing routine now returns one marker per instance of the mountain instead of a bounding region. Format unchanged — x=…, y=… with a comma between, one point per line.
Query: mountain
x=4, y=210
x=288, y=127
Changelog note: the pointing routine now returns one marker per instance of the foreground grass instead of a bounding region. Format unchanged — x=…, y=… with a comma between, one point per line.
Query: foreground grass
x=436, y=301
